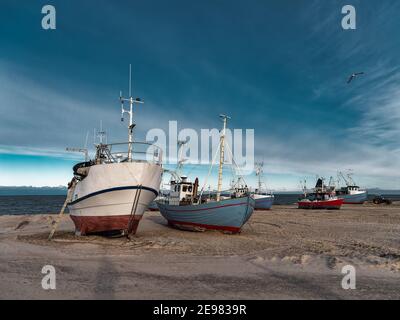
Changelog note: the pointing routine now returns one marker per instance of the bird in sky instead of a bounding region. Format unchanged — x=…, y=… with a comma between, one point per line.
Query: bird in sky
x=354, y=75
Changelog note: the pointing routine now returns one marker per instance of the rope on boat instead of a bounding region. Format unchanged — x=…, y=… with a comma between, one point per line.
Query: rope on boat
x=209, y=171
x=241, y=173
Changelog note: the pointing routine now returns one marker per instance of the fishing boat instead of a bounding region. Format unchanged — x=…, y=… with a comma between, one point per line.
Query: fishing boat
x=112, y=191
x=322, y=197
x=186, y=209
x=263, y=199
x=351, y=193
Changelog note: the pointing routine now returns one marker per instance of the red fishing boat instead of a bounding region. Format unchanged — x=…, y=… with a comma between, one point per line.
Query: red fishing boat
x=333, y=203
x=323, y=197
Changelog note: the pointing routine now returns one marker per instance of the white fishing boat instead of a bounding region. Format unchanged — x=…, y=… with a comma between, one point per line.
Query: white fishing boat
x=351, y=193
x=112, y=191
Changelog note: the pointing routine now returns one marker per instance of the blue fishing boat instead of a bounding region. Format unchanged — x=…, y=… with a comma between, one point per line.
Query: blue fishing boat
x=352, y=195
x=152, y=206
x=226, y=215
x=186, y=209
x=263, y=199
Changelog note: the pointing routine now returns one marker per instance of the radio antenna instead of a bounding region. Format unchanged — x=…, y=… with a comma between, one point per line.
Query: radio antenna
x=87, y=139
x=102, y=134
x=81, y=150
x=130, y=80
x=129, y=112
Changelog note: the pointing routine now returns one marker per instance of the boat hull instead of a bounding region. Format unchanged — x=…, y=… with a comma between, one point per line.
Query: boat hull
x=105, y=199
x=96, y=224
x=323, y=204
x=227, y=215
x=358, y=198
x=263, y=202
x=153, y=206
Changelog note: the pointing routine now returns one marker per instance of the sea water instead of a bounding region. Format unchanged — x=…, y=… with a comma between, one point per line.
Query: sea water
x=51, y=204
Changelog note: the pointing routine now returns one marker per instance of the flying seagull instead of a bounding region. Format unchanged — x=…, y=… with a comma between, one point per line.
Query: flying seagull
x=354, y=75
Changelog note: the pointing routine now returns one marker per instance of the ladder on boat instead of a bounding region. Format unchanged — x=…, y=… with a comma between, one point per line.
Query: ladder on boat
x=133, y=211
x=67, y=200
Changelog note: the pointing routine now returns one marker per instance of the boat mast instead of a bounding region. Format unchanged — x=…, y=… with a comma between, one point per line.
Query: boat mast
x=221, y=155
x=180, y=162
x=102, y=134
x=259, y=172
x=349, y=181
x=349, y=177
x=305, y=188
x=130, y=112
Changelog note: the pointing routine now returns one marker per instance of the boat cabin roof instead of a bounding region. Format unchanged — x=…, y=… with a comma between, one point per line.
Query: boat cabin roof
x=182, y=183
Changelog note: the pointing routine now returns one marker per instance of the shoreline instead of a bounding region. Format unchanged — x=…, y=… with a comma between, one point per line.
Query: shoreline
x=284, y=253
x=293, y=205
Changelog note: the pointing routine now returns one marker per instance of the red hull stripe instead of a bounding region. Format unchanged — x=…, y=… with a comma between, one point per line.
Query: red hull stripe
x=111, y=190
x=205, y=226
x=89, y=224
x=210, y=208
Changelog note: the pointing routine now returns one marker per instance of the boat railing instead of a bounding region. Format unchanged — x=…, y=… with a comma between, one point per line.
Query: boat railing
x=263, y=192
x=140, y=152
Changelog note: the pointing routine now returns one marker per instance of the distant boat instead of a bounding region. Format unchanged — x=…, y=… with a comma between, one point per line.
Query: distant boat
x=153, y=206
x=185, y=209
x=351, y=193
x=112, y=191
x=263, y=199
x=322, y=197
x=162, y=194
x=329, y=203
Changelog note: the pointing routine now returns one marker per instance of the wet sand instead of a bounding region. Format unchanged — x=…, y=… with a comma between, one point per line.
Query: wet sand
x=284, y=253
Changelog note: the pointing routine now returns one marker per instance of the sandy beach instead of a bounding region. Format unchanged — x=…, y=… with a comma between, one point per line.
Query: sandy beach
x=284, y=253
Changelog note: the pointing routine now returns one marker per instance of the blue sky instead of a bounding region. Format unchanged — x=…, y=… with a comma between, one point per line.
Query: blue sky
x=279, y=67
